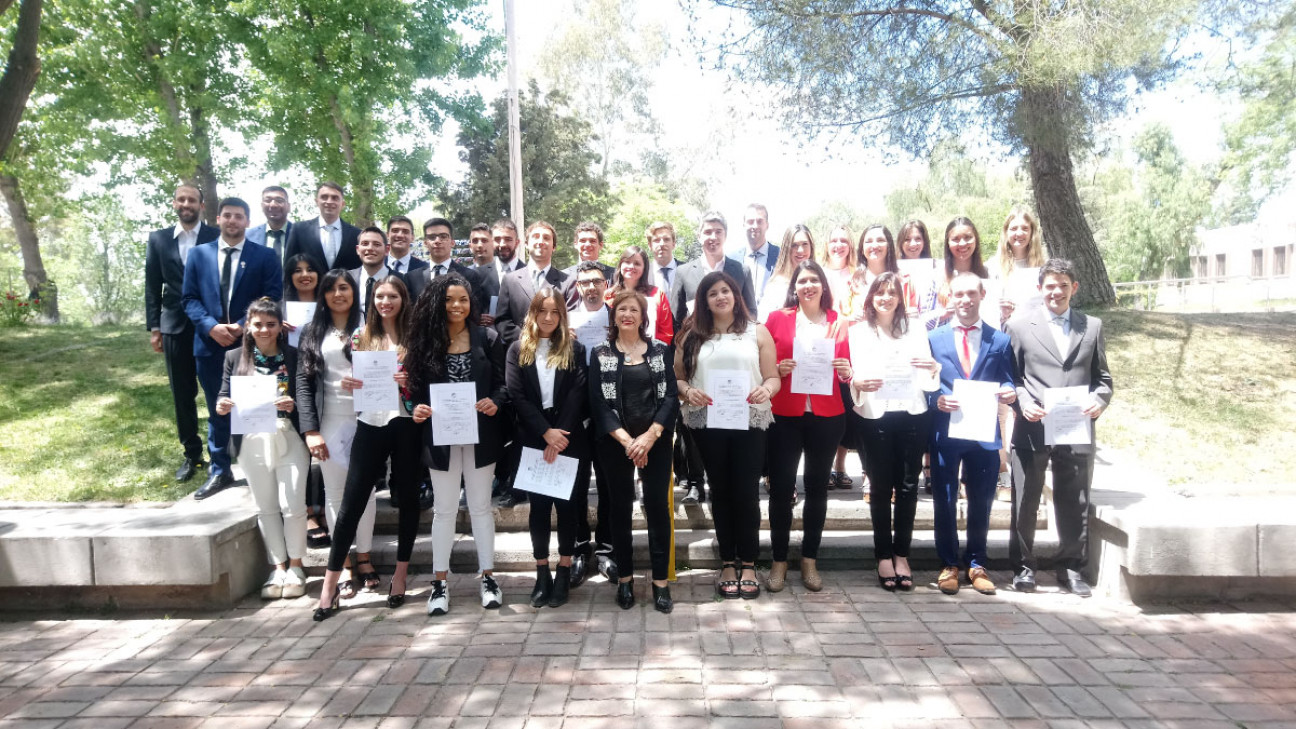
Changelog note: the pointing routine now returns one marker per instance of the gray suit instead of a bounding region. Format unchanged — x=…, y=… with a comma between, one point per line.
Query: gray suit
x=1039, y=365
x=515, y=299
x=689, y=275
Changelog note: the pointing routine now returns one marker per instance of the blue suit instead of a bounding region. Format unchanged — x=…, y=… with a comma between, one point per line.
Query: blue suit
x=259, y=274
x=979, y=461
x=258, y=235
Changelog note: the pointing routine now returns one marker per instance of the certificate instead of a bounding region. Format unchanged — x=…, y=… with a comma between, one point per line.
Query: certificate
x=591, y=327
x=494, y=305
x=1066, y=422
x=377, y=370
x=728, y=390
x=898, y=387
x=813, y=374
x=551, y=479
x=339, y=444
x=254, y=409
x=454, y=413
x=978, y=415
x=299, y=314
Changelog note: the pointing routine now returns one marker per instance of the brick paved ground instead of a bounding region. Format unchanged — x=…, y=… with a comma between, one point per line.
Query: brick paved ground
x=851, y=655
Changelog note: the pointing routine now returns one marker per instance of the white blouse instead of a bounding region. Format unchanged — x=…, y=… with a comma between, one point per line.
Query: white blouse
x=729, y=351
x=871, y=352
x=545, y=373
x=336, y=366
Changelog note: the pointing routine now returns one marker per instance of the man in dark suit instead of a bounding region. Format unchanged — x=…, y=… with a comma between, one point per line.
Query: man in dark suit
x=328, y=239
x=438, y=241
x=1054, y=346
x=518, y=287
x=504, y=234
x=400, y=236
x=274, y=232
x=221, y=279
x=170, y=331
x=712, y=233
x=486, y=266
x=759, y=256
x=589, y=246
x=372, y=249
x=966, y=349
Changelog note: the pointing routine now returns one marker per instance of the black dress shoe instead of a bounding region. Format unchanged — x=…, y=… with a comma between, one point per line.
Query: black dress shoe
x=561, y=586
x=662, y=599
x=625, y=594
x=579, y=566
x=543, y=587
x=1024, y=581
x=511, y=499
x=1074, y=583
x=189, y=468
x=216, y=483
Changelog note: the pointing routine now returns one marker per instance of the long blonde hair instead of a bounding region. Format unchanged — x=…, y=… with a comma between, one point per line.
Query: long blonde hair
x=1034, y=249
x=560, y=342
x=852, y=256
x=784, y=266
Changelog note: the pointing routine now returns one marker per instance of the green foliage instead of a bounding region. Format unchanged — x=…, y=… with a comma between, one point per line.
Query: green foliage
x=559, y=180
x=639, y=205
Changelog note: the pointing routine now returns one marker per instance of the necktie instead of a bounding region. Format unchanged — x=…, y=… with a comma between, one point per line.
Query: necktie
x=278, y=243
x=536, y=278
x=965, y=353
x=756, y=257
x=369, y=287
x=330, y=248
x=439, y=270
x=396, y=266
x=666, y=276
x=226, y=280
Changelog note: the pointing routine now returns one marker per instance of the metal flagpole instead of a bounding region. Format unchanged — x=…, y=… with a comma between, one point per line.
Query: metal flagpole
x=514, y=125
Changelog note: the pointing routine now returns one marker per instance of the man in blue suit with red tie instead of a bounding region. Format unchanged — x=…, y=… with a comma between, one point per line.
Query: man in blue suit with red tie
x=966, y=349
x=221, y=279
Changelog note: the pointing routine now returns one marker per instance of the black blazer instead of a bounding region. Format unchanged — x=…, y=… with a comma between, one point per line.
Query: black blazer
x=418, y=281
x=303, y=237
x=570, y=402
x=164, y=279
x=231, y=368
x=687, y=277
x=490, y=283
x=515, y=299
x=310, y=399
x=488, y=374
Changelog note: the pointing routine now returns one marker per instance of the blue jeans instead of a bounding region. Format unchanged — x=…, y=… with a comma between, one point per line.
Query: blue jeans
x=981, y=472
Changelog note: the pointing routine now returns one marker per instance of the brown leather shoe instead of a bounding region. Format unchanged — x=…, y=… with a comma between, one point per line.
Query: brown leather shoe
x=948, y=581
x=810, y=576
x=981, y=581
x=777, y=579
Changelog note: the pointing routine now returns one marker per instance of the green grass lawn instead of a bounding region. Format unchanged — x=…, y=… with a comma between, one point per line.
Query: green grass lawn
x=1207, y=400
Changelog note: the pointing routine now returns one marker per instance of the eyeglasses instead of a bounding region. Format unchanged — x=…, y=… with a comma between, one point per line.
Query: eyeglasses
x=591, y=282
x=437, y=236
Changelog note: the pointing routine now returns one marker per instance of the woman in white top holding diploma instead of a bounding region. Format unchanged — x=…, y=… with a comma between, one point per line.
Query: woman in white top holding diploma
x=723, y=352
x=447, y=345
x=275, y=464
x=380, y=435
x=809, y=416
x=545, y=372
x=893, y=369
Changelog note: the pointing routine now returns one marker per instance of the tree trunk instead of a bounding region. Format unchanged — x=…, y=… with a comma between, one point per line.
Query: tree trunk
x=1044, y=129
x=362, y=194
x=33, y=266
x=20, y=73
x=204, y=174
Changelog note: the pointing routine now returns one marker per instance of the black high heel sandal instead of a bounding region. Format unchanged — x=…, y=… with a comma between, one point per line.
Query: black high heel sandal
x=748, y=589
x=369, y=579
x=395, y=601
x=324, y=613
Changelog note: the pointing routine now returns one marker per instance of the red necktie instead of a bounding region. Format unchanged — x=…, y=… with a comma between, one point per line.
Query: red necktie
x=965, y=355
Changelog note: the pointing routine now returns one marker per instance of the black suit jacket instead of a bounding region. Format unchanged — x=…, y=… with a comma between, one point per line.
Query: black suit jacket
x=488, y=375
x=304, y=238
x=515, y=299
x=490, y=282
x=415, y=263
x=570, y=395
x=685, y=285
x=164, y=279
x=418, y=281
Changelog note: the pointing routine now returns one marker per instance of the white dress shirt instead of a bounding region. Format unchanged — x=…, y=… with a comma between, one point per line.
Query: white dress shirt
x=545, y=373
x=403, y=262
x=185, y=240
x=659, y=275
x=1060, y=328
x=329, y=234
x=758, y=260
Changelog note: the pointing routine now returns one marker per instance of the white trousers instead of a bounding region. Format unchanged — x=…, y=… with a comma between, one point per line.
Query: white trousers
x=276, y=466
x=335, y=477
x=477, y=488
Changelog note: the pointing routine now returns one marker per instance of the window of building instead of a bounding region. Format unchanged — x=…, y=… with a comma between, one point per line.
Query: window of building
x=1280, y=261
x=1257, y=263
x=1221, y=265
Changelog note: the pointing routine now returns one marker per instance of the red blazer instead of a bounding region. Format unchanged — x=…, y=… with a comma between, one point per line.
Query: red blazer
x=782, y=326
x=665, y=324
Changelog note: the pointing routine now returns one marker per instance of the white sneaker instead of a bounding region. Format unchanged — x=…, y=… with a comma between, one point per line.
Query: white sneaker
x=294, y=582
x=439, y=601
x=491, y=595
x=273, y=587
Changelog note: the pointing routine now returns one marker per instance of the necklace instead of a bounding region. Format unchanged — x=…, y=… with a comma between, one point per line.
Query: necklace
x=632, y=354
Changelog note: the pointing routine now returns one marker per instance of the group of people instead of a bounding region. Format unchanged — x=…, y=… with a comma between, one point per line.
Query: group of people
x=630, y=370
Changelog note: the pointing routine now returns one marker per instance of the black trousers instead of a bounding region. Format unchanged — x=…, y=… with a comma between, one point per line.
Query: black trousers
x=733, y=461
x=658, y=505
x=817, y=437
x=182, y=373
x=580, y=500
x=542, y=507
x=894, y=444
x=689, y=461
x=1072, y=477
x=400, y=441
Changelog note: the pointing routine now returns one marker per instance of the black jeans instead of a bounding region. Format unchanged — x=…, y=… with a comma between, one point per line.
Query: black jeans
x=894, y=444
x=182, y=373
x=658, y=505
x=733, y=461
x=399, y=440
x=580, y=499
x=542, y=506
x=817, y=437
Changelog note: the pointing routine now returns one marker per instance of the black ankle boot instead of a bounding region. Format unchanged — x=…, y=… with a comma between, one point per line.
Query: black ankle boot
x=625, y=594
x=543, y=587
x=561, y=585
x=662, y=599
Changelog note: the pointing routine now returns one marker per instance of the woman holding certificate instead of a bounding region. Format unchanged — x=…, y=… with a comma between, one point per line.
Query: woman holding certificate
x=275, y=463
x=914, y=256
x=727, y=374
x=545, y=372
x=300, y=291
x=327, y=411
x=382, y=432
x=633, y=399
x=813, y=355
x=460, y=363
x=893, y=370
x=630, y=272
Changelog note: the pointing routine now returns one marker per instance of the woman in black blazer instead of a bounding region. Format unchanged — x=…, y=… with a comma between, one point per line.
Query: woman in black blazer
x=275, y=464
x=545, y=373
x=446, y=344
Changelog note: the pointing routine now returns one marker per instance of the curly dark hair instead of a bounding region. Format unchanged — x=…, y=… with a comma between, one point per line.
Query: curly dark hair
x=428, y=340
x=310, y=358
x=700, y=325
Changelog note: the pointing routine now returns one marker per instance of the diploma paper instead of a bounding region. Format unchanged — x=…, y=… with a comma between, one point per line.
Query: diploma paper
x=1066, y=423
x=377, y=370
x=454, y=413
x=551, y=479
x=813, y=374
x=299, y=314
x=494, y=305
x=728, y=390
x=591, y=327
x=254, y=410
x=339, y=445
x=978, y=415
x=898, y=388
